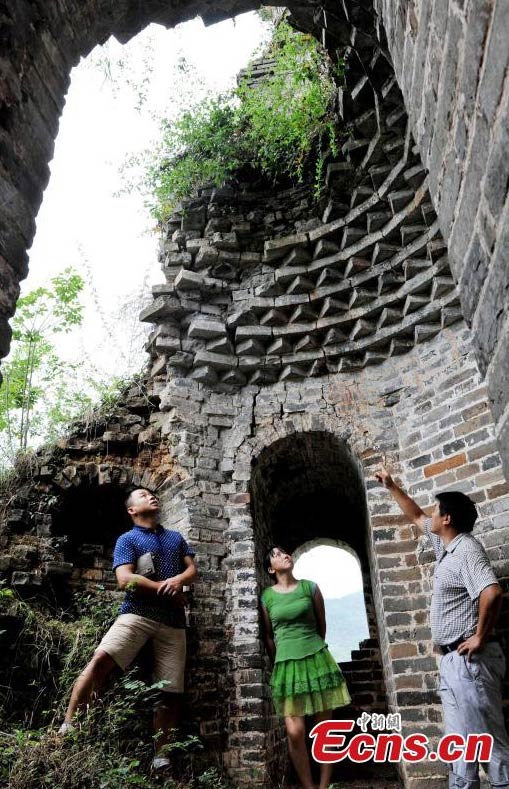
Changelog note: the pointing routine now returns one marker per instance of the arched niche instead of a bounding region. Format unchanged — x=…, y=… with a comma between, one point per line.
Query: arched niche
x=87, y=521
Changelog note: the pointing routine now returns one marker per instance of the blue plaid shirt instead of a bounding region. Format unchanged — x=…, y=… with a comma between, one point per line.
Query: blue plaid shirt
x=168, y=549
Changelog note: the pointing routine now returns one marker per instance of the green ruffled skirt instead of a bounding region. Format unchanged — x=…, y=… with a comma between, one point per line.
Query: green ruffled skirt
x=307, y=685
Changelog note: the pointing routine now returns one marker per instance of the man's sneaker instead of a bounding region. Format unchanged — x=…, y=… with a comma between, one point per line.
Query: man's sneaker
x=66, y=728
x=160, y=762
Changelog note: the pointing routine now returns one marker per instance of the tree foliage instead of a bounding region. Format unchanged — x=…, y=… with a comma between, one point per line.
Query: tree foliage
x=272, y=126
x=202, y=146
x=284, y=116
x=37, y=395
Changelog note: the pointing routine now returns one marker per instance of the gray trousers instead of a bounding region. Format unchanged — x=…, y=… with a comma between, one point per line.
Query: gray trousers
x=471, y=692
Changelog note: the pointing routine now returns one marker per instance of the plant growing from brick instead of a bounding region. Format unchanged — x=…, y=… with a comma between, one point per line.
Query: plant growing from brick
x=275, y=127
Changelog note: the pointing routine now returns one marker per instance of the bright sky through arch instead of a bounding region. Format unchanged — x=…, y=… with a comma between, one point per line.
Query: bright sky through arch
x=81, y=222
x=335, y=570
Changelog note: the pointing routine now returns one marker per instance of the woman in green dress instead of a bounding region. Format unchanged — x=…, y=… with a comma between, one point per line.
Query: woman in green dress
x=306, y=679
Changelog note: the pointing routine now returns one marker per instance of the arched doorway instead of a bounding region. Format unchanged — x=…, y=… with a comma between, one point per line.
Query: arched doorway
x=335, y=567
x=308, y=489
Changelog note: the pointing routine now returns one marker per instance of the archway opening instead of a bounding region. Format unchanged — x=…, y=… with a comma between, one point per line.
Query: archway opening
x=86, y=524
x=336, y=569
x=307, y=490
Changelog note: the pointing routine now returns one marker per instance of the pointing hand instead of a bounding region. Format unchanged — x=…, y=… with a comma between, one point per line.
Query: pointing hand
x=384, y=477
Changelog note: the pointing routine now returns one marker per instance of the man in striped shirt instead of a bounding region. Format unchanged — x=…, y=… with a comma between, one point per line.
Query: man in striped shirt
x=465, y=605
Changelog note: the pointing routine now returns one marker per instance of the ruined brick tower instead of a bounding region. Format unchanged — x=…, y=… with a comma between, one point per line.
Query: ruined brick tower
x=294, y=350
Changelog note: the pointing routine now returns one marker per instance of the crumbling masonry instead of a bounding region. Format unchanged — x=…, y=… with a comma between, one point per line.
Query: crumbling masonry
x=295, y=347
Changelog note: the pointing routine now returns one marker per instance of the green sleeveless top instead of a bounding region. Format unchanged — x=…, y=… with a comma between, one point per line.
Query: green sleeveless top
x=293, y=621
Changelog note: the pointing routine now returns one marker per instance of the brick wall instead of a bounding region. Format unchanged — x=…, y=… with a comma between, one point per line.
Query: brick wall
x=412, y=410
x=450, y=61
x=425, y=411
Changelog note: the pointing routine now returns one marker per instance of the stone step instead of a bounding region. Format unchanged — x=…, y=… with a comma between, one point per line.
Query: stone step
x=359, y=677
x=369, y=643
x=359, y=665
x=364, y=652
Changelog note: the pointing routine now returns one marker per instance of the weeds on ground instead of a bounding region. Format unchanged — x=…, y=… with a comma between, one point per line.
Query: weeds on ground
x=112, y=745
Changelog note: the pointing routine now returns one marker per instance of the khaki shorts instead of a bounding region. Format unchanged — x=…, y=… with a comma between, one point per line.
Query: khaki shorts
x=130, y=632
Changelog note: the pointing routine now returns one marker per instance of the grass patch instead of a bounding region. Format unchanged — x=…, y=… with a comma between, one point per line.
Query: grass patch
x=113, y=744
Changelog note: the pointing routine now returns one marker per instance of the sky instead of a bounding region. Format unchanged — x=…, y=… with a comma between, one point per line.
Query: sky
x=113, y=110
x=336, y=571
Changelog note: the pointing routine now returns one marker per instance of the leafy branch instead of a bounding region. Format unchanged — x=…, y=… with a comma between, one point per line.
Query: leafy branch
x=274, y=126
x=37, y=392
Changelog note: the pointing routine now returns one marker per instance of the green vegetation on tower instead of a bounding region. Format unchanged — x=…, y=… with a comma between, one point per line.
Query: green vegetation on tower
x=279, y=127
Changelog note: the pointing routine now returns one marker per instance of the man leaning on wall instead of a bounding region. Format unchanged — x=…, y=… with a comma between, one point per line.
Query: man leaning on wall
x=465, y=605
x=152, y=565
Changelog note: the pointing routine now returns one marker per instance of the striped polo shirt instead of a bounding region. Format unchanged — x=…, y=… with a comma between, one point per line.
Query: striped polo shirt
x=462, y=571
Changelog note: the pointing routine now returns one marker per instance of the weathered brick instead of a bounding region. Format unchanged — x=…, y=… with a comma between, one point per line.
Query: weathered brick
x=453, y=446
x=445, y=465
x=481, y=451
x=498, y=490
x=423, y=460
x=464, y=472
x=436, y=402
x=403, y=650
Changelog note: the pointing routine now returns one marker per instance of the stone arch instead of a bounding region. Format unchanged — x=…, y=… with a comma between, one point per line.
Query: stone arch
x=87, y=520
x=294, y=469
x=75, y=515
x=344, y=546
x=58, y=545
x=250, y=528
x=294, y=503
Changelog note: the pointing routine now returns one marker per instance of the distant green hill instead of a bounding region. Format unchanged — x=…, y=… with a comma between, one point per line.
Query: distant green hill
x=346, y=624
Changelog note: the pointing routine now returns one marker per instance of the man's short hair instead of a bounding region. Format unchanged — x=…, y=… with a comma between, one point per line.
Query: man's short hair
x=129, y=500
x=460, y=508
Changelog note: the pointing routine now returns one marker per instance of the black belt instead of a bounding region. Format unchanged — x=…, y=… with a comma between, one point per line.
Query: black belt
x=446, y=648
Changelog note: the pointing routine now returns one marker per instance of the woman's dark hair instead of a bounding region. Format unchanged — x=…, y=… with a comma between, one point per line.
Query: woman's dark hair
x=268, y=555
x=460, y=508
